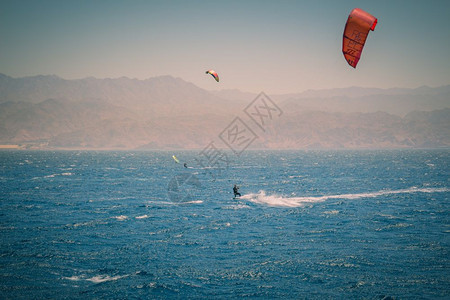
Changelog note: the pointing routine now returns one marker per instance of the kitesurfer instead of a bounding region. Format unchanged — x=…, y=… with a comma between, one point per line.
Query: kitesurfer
x=185, y=165
x=235, y=191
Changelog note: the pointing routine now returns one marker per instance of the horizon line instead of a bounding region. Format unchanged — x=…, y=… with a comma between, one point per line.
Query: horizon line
x=220, y=90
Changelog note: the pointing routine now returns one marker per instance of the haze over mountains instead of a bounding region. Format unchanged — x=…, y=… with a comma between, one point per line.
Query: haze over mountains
x=169, y=113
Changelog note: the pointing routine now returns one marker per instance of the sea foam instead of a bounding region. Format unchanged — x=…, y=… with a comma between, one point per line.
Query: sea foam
x=280, y=201
x=95, y=279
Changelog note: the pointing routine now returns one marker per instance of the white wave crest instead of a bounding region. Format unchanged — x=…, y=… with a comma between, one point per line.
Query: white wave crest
x=96, y=279
x=142, y=217
x=280, y=201
x=194, y=202
x=104, y=278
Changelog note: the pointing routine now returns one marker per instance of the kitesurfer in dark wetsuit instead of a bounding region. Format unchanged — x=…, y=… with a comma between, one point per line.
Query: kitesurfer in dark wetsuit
x=235, y=191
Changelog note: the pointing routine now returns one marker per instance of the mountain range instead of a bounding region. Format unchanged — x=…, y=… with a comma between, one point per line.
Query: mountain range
x=48, y=112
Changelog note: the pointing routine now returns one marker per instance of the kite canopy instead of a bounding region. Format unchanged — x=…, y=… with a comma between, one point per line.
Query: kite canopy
x=213, y=74
x=356, y=31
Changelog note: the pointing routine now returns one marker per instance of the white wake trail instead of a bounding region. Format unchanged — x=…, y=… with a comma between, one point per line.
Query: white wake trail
x=280, y=201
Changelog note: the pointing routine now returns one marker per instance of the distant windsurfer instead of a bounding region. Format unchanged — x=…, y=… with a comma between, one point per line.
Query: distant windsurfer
x=235, y=191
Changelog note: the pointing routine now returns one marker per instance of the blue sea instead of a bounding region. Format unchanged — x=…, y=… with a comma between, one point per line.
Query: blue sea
x=370, y=224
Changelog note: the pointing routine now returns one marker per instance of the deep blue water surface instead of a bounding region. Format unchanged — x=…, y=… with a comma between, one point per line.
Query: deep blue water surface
x=310, y=224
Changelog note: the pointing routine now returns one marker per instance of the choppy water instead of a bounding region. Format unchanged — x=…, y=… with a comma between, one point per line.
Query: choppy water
x=310, y=224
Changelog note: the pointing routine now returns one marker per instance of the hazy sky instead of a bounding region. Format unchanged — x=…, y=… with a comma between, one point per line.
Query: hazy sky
x=271, y=46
